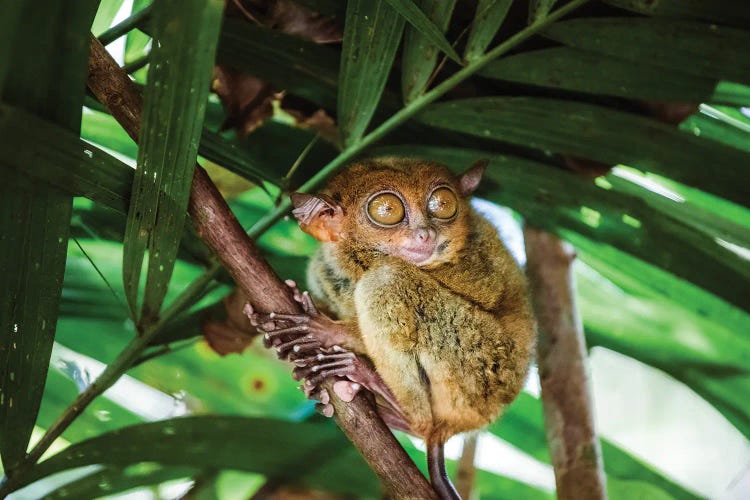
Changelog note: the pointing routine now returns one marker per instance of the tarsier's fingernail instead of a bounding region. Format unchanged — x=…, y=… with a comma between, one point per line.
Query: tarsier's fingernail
x=356, y=386
x=315, y=368
x=248, y=309
x=325, y=410
x=296, y=348
x=272, y=315
x=305, y=293
x=324, y=397
x=320, y=357
x=290, y=282
x=337, y=348
x=267, y=337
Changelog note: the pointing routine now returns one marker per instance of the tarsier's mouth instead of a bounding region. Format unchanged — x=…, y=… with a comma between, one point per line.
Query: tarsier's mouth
x=418, y=254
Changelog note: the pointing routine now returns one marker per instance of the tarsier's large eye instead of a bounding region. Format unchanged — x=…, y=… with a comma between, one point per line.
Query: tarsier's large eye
x=386, y=209
x=442, y=203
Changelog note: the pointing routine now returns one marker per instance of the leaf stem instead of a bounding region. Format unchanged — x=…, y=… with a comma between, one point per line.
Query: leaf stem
x=134, y=21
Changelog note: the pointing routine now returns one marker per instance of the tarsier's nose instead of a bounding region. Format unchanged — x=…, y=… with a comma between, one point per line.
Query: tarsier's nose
x=425, y=235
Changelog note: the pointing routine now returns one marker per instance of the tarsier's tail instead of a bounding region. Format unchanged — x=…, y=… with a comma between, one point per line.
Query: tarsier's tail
x=438, y=477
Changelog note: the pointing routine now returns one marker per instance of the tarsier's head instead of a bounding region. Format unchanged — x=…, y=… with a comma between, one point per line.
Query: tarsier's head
x=410, y=209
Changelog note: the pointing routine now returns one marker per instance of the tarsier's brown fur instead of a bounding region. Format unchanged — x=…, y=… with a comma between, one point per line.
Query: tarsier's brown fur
x=451, y=339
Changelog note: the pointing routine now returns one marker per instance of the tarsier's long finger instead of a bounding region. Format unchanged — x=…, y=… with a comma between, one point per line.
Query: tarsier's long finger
x=316, y=393
x=325, y=410
x=294, y=318
x=314, y=372
x=308, y=305
x=346, y=389
x=299, y=329
x=319, y=377
x=299, y=345
x=320, y=357
x=295, y=291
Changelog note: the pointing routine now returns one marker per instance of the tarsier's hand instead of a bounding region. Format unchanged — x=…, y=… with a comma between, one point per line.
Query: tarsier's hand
x=309, y=341
x=296, y=334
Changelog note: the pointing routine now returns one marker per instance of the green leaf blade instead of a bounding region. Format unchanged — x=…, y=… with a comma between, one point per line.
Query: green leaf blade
x=44, y=74
x=583, y=71
x=185, y=42
x=420, y=54
x=729, y=12
x=489, y=16
x=417, y=18
x=279, y=450
x=704, y=50
x=32, y=257
x=539, y=9
x=50, y=154
x=372, y=35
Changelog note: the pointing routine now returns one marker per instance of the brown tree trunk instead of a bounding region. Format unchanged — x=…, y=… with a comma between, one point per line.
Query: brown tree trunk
x=219, y=229
x=561, y=357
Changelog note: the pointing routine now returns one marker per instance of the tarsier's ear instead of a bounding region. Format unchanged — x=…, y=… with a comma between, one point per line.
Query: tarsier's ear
x=469, y=180
x=318, y=215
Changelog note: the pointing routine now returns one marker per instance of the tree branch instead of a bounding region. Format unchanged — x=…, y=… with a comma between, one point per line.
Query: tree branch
x=217, y=226
x=561, y=357
x=466, y=471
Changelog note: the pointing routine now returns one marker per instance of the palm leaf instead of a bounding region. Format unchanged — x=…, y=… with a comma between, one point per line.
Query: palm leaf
x=489, y=16
x=186, y=37
x=420, y=53
x=539, y=9
x=280, y=450
x=55, y=156
x=412, y=13
x=372, y=34
x=700, y=49
x=578, y=70
x=44, y=73
x=728, y=12
x=113, y=480
x=291, y=63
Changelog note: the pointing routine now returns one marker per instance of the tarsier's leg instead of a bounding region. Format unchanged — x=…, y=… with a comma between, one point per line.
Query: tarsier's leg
x=401, y=327
x=439, y=352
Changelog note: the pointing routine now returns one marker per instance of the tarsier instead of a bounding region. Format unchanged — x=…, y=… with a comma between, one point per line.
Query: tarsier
x=432, y=310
